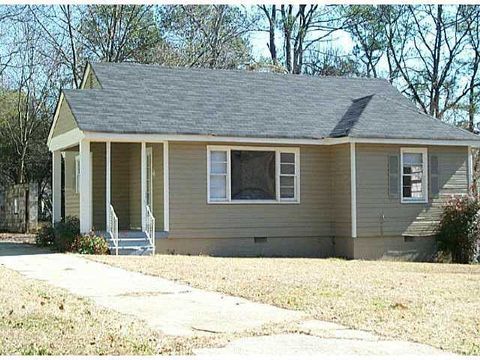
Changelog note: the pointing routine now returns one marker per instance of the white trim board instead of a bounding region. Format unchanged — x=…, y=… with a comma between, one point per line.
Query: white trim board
x=66, y=140
x=55, y=118
x=353, y=188
x=98, y=136
x=166, y=188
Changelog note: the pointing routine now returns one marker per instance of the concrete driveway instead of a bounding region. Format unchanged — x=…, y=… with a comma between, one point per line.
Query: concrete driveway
x=180, y=310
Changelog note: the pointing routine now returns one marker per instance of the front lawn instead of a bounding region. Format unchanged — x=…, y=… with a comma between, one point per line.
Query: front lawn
x=37, y=319
x=435, y=304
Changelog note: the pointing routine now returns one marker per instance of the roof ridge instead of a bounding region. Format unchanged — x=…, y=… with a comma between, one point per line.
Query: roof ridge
x=240, y=71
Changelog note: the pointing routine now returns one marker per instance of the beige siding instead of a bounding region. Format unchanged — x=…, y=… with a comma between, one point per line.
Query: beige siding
x=192, y=217
x=341, y=193
x=120, y=175
x=72, y=199
x=135, y=186
x=378, y=215
x=98, y=182
x=65, y=120
x=91, y=82
x=341, y=190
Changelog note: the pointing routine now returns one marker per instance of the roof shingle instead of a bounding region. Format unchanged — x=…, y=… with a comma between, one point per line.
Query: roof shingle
x=153, y=99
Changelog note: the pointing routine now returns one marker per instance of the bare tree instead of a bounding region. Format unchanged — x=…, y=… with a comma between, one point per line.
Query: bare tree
x=214, y=36
x=271, y=15
x=301, y=28
x=425, y=44
x=26, y=109
x=473, y=63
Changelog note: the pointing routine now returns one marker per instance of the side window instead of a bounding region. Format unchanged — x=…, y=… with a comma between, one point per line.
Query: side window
x=414, y=175
x=218, y=175
x=288, y=176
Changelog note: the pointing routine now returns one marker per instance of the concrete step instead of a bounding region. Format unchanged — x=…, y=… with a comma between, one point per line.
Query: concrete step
x=137, y=250
x=131, y=246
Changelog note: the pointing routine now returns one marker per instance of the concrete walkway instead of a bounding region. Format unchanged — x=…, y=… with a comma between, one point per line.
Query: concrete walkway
x=181, y=310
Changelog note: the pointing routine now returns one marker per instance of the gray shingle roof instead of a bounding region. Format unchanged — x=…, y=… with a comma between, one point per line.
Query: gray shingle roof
x=153, y=99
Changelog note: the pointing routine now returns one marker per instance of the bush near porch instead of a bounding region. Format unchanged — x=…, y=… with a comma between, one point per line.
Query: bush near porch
x=65, y=236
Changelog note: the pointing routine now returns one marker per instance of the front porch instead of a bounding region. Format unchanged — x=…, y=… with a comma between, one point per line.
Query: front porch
x=116, y=189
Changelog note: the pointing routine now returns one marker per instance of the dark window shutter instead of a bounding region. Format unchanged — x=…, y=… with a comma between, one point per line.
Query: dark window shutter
x=433, y=178
x=393, y=176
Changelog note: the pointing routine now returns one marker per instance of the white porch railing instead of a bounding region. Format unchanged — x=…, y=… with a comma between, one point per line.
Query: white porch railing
x=112, y=227
x=150, y=228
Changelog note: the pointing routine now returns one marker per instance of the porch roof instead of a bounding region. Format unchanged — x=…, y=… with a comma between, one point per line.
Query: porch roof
x=151, y=99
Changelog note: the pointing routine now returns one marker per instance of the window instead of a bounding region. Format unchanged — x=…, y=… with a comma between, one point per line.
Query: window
x=414, y=179
x=77, y=174
x=252, y=174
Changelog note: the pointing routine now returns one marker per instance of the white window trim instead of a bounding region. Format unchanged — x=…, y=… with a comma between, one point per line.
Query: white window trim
x=424, y=152
x=277, y=151
x=78, y=174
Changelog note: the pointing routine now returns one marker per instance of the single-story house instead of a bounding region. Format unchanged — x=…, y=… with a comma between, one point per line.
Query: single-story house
x=240, y=163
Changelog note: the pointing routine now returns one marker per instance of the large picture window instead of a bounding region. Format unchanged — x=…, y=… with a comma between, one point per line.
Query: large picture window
x=414, y=178
x=246, y=174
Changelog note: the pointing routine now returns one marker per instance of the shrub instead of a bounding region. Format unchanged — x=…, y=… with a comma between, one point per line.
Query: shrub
x=90, y=244
x=45, y=235
x=65, y=233
x=459, y=228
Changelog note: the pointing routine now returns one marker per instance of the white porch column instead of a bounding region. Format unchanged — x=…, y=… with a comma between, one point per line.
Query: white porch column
x=166, y=188
x=108, y=181
x=85, y=187
x=56, y=186
x=144, y=184
x=353, y=188
x=470, y=169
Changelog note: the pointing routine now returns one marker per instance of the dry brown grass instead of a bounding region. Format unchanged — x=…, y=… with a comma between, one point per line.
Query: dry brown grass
x=36, y=319
x=435, y=304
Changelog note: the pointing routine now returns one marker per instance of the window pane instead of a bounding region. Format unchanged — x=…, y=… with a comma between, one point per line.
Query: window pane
x=218, y=168
x=287, y=158
x=218, y=156
x=287, y=169
x=218, y=187
x=287, y=181
x=253, y=175
x=412, y=158
x=287, y=192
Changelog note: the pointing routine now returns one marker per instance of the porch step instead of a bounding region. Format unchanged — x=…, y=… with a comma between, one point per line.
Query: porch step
x=132, y=250
x=131, y=246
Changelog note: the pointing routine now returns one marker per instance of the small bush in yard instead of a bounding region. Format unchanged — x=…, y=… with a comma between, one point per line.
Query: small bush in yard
x=90, y=244
x=45, y=235
x=459, y=229
x=65, y=233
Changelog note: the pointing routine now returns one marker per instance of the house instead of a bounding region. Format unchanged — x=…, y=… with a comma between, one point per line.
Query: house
x=199, y=161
